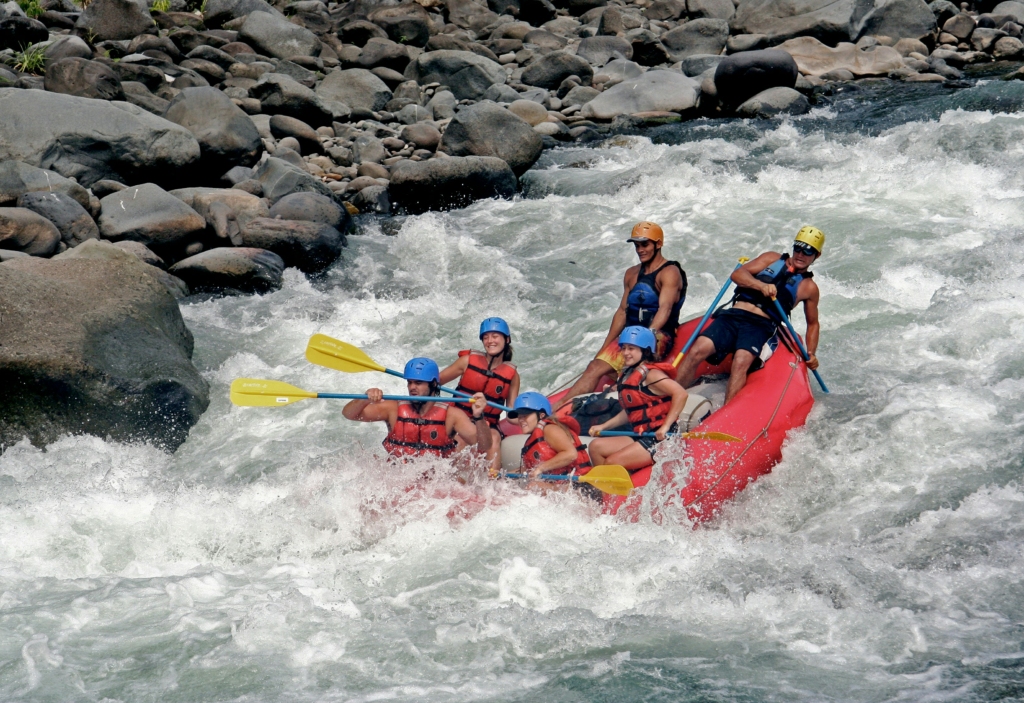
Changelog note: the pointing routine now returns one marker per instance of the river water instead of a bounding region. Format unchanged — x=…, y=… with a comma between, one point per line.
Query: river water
x=275, y=558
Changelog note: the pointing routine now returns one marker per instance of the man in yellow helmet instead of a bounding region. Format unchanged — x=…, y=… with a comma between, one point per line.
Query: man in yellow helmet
x=746, y=329
x=653, y=293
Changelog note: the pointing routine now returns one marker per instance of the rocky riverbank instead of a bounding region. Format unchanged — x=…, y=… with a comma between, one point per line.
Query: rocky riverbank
x=205, y=149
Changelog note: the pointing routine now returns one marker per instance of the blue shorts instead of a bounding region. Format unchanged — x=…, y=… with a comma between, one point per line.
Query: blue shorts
x=735, y=329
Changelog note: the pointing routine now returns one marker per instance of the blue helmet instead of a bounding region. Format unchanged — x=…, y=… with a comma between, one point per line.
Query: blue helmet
x=494, y=324
x=530, y=401
x=422, y=369
x=638, y=337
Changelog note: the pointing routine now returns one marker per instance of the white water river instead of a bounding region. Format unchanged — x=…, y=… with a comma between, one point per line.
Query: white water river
x=274, y=558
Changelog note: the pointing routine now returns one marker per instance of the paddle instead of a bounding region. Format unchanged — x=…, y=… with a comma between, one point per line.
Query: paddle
x=257, y=392
x=799, y=344
x=611, y=479
x=714, y=436
x=711, y=308
x=342, y=356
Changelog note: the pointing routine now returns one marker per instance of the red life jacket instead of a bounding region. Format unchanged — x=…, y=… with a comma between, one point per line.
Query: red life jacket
x=495, y=384
x=420, y=435
x=536, y=451
x=646, y=411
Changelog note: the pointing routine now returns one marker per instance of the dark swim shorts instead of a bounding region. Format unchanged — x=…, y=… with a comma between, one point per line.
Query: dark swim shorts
x=649, y=443
x=738, y=329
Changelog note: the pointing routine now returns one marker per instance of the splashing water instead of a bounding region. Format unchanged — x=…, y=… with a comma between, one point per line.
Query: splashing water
x=275, y=558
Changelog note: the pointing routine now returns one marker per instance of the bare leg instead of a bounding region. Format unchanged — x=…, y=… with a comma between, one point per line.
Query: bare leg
x=588, y=381
x=741, y=362
x=600, y=449
x=701, y=350
x=632, y=457
x=495, y=453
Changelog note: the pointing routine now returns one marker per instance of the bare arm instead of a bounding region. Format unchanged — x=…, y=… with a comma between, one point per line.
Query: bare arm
x=455, y=370
x=473, y=430
x=513, y=391
x=372, y=410
x=619, y=318
x=744, y=275
x=660, y=384
x=671, y=287
x=813, y=328
x=561, y=442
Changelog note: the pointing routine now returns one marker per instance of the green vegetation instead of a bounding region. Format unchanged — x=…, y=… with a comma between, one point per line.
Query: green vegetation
x=30, y=60
x=31, y=8
x=161, y=6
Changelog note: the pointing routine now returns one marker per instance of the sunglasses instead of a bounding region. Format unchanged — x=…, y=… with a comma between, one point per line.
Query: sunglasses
x=805, y=249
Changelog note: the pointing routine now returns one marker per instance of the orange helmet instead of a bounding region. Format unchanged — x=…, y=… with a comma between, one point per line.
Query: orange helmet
x=647, y=232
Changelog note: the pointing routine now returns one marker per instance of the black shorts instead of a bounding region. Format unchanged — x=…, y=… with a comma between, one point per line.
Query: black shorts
x=735, y=329
x=649, y=443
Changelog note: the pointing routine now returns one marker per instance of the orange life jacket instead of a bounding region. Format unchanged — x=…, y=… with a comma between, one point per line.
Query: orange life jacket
x=495, y=384
x=420, y=435
x=536, y=451
x=646, y=411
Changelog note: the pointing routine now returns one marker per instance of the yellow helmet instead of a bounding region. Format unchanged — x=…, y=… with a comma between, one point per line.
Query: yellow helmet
x=647, y=231
x=812, y=236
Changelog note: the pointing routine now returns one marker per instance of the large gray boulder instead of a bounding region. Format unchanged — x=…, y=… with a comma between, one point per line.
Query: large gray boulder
x=275, y=36
x=701, y=36
x=26, y=231
x=94, y=346
x=106, y=251
x=356, y=87
x=91, y=140
x=312, y=207
x=66, y=47
x=67, y=215
x=1010, y=7
x=486, y=129
x=280, y=178
x=228, y=269
x=283, y=95
x=741, y=76
x=775, y=101
x=550, y=70
x=441, y=184
x=226, y=210
x=712, y=9
x=17, y=178
x=466, y=74
x=309, y=246
x=814, y=58
x=897, y=19
x=597, y=51
x=17, y=32
x=149, y=214
x=113, y=20
x=407, y=23
x=86, y=79
x=227, y=136
x=651, y=92
x=217, y=12
x=825, y=20
x=469, y=14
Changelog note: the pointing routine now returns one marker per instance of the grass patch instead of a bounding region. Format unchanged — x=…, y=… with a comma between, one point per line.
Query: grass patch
x=30, y=60
x=161, y=6
x=31, y=8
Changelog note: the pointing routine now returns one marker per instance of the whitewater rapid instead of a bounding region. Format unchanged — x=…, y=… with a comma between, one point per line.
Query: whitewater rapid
x=275, y=558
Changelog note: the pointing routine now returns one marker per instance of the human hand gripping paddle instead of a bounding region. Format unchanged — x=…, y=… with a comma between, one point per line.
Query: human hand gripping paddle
x=799, y=344
x=342, y=356
x=697, y=330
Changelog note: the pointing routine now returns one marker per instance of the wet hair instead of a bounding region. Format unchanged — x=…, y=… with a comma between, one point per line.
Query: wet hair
x=435, y=388
x=648, y=355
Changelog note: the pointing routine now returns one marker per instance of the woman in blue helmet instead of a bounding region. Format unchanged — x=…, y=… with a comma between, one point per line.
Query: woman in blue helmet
x=429, y=428
x=651, y=402
x=551, y=447
x=489, y=372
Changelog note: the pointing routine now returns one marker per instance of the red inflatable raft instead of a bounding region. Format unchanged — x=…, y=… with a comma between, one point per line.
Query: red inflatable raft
x=775, y=400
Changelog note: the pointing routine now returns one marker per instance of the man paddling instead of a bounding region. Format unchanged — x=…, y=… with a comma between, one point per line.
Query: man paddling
x=745, y=329
x=423, y=429
x=653, y=294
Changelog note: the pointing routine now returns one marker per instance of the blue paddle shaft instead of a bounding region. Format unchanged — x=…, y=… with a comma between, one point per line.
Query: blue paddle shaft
x=799, y=344
x=544, y=477
x=409, y=398
x=711, y=309
x=623, y=433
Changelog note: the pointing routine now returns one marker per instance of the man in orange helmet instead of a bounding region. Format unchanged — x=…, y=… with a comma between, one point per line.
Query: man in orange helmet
x=653, y=293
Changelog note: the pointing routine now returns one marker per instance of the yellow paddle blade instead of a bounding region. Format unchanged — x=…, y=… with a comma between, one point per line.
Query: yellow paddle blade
x=716, y=436
x=256, y=392
x=338, y=355
x=612, y=479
